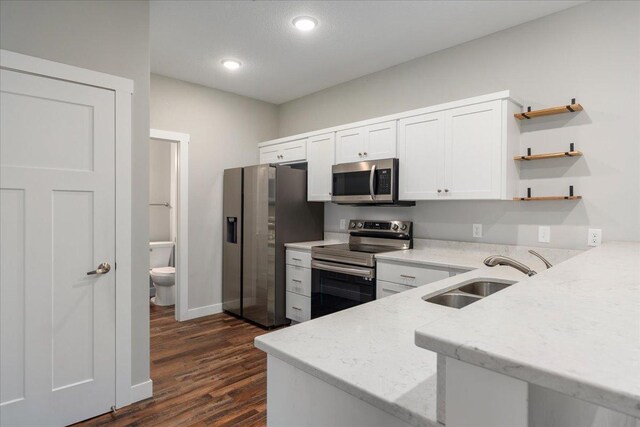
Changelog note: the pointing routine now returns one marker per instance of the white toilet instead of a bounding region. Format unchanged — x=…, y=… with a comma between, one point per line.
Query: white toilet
x=162, y=275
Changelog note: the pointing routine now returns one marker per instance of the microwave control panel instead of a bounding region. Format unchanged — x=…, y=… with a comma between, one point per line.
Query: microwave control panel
x=383, y=181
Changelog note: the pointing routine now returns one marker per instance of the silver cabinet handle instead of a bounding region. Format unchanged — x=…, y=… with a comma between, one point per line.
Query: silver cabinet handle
x=446, y=190
x=359, y=154
x=103, y=268
x=371, y=179
x=296, y=259
x=364, y=154
x=296, y=308
x=296, y=280
x=439, y=190
x=407, y=277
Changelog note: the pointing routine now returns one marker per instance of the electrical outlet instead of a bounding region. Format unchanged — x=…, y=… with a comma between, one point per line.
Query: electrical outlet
x=544, y=234
x=343, y=224
x=477, y=230
x=594, y=237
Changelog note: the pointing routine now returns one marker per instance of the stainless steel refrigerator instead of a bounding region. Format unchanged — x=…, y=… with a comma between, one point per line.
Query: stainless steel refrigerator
x=264, y=207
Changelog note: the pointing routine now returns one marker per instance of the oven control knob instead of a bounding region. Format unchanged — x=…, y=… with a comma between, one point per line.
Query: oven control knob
x=360, y=225
x=404, y=227
x=352, y=225
x=395, y=227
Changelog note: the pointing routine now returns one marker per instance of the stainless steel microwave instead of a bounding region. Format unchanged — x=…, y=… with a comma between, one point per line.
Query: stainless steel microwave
x=371, y=182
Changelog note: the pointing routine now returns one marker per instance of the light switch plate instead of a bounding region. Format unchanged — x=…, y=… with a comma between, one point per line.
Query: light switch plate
x=594, y=237
x=544, y=234
x=343, y=224
x=477, y=230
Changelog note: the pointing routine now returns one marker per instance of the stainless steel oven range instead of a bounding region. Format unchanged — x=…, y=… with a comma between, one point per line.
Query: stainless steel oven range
x=344, y=275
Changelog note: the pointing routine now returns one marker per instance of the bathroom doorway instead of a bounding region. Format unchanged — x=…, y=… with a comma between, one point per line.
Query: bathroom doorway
x=168, y=220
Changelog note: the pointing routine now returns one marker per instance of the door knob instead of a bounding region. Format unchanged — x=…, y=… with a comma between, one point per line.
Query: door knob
x=103, y=268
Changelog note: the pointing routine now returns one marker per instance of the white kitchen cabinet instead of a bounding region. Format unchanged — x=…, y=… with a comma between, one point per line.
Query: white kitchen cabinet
x=299, y=258
x=298, y=285
x=421, y=151
x=473, y=156
x=463, y=153
x=395, y=277
x=384, y=289
x=298, y=307
x=371, y=142
x=299, y=280
x=286, y=152
x=320, y=159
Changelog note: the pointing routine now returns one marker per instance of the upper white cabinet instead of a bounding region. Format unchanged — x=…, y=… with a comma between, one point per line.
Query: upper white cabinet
x=421, y=149
x=321, y=157
x=461, y=150
x=463, y=153
x=287, y=152
x=371, y=142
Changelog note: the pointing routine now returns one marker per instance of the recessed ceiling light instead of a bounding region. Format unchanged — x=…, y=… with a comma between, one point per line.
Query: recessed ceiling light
x=231, y=64
x=305, y=23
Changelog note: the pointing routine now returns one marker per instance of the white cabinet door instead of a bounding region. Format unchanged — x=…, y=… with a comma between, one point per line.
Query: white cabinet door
x=270, y=154
x=384, y=289
x=350, y=144
x=421, y=147
x=473, y=151
x=320, y=158
x=286, y=152
x=57, y=221
x=380, y=141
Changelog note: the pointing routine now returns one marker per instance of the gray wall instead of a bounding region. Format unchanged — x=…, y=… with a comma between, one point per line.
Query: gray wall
x=111, y=37
x=159, y=190
x=590, y=52
x=224, y=130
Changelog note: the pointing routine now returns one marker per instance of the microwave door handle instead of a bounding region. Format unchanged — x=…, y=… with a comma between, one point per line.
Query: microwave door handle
x=372, y=177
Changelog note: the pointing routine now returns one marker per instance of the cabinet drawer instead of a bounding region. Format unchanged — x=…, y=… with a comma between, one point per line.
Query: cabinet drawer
x=299, y=280
x=299, y=258
x=298, y=307
x=410, y=275
x=384, y=289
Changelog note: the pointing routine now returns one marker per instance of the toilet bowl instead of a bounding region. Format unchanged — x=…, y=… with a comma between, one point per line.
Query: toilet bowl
x=164, y=279
x=162, y=275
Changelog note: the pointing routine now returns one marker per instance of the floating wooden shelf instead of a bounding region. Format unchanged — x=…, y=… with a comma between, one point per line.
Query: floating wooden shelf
x=570, y=108
x=549, y=155
x=532, y=199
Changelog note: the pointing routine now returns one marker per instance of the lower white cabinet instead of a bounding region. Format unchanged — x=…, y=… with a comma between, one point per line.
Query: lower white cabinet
x=298, y=284
x=394, y=277
x=298, y=307
x=384, y=289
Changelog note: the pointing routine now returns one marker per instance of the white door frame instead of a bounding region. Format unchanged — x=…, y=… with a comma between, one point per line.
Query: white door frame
x=182, y=241
x=123, y=89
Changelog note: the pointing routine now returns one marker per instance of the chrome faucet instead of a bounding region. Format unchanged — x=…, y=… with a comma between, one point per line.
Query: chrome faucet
x=494, y=260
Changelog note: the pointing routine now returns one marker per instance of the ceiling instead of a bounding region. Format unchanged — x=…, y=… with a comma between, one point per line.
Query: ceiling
x=353, y=38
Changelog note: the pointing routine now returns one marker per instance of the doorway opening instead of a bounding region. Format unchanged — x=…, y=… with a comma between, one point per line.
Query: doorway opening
x=168, y=226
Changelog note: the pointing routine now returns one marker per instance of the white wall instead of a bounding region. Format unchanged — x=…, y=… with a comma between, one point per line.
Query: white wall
x=159, y=190
x=224, y=130
x=111, y=37
x=590, y=52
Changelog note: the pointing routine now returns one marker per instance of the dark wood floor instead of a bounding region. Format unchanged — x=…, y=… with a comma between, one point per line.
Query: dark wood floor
x=205, y=372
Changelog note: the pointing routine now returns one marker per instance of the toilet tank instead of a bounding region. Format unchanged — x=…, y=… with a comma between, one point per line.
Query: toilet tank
x=160, y=254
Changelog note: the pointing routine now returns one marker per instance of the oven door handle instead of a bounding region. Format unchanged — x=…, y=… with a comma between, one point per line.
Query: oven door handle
x=372, y=177
x=369, y=273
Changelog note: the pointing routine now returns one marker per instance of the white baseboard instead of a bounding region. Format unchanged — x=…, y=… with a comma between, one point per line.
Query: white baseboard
x=207, y=310
x=141, y=391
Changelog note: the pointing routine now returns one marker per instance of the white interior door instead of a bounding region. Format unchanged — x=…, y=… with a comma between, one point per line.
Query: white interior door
x=57, y=220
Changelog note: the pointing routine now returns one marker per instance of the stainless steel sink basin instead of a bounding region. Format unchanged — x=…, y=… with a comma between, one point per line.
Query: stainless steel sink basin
x=454, y=299
x=483, y=288
x=468, y=293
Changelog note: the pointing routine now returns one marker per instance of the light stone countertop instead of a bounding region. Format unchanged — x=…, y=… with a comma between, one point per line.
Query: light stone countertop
x=574, y=329
x=369, y=351
x=329, y=239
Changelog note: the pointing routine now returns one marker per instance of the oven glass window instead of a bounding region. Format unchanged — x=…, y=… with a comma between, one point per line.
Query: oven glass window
x=331, y=292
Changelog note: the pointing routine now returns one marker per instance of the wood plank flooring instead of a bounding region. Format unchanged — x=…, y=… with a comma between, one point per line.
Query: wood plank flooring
x=205, y=372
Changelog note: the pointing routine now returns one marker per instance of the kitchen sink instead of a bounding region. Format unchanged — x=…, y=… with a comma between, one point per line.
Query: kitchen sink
x=468, y=293
x=454, y=299
x=483, y=288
